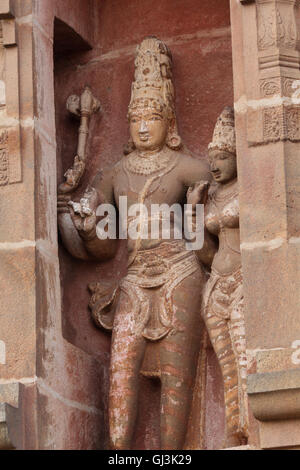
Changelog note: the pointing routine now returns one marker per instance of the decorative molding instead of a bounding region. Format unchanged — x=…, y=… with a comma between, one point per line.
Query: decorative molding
x=9, y=396
x=273, y=124
x=277, y=34
x=277, y=118
x=275, y=28
x=269, y=87
x=275, y=395
x=6, y=9
x=10, y=135
x=4, y=159
x=280, y=86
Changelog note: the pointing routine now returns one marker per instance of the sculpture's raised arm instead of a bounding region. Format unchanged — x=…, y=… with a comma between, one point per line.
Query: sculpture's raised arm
x=198, y=194
x=77, y=221
x=195, y=175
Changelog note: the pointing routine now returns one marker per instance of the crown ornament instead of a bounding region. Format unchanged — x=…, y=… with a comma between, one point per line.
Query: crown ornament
x=224, y=132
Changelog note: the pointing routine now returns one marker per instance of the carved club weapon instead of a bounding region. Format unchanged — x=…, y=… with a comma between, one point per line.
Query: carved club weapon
x=83, y=107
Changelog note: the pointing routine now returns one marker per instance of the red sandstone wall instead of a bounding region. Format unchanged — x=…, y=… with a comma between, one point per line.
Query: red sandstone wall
x=75, y=360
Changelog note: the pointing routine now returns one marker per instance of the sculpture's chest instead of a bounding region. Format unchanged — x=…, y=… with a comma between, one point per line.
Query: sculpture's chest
x=222, y=214
x=147, y=189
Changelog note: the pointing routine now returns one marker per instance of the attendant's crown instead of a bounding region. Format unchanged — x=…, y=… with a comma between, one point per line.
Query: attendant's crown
x=224, y=133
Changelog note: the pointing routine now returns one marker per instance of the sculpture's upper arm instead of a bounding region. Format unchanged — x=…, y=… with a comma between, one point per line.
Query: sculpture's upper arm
x=103, y=183
x=194, y=170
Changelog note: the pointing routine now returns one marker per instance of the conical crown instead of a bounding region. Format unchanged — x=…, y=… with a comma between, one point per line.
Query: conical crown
x=153, y=85
x=224, y=133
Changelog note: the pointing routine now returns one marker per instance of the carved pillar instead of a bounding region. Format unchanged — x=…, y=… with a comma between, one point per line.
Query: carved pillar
x=10, y=158
x=265, y=37
x=17, y=227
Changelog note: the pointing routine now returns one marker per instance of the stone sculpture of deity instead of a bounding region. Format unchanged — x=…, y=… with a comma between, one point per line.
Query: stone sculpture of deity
x=223, y=297
x=154, y=312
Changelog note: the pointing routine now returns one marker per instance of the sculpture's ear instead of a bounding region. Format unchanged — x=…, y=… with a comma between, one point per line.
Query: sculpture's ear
x=173, y=141
x=129, y=147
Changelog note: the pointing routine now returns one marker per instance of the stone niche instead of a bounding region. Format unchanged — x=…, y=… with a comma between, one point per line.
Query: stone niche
x=54, y=363
x=200, y=40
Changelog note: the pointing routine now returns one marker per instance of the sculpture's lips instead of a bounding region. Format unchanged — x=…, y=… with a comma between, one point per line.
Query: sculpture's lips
x=144, y=137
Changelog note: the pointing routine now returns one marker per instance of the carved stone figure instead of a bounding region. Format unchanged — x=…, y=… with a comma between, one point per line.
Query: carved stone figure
x=223, y=297
x=154, y=312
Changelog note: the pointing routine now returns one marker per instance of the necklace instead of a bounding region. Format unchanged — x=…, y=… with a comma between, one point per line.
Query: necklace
x=163, y=172
x=225, y=197
x=146, y=165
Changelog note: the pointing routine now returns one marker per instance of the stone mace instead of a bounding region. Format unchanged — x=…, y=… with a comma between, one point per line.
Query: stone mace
x=83, y=107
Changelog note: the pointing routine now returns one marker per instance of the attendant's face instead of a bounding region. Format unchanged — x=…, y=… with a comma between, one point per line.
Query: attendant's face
x=148, y=129
x=223, y=166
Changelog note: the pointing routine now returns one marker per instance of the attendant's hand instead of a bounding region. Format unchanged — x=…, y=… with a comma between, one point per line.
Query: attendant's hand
x=198, y=193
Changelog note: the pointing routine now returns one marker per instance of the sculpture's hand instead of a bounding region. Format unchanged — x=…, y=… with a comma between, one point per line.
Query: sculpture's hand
x=198, y=193
x=83, y=213
x=62, y=203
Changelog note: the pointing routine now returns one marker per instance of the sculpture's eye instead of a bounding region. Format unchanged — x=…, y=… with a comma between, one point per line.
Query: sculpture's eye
x=155, y=118
x=223, y=157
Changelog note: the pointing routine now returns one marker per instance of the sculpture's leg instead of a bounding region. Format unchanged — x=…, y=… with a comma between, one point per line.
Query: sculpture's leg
x=220, y=337
x=238, y=339
x=179, y=355
x=126, y=358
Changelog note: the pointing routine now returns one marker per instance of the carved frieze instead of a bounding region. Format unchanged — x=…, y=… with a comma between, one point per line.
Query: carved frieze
x=289, y=87
x=275, y=27
x=275, y=117
x=282, y=86
x=292, y=123
x=10, y=153
x=277, y=34
x=273, y=121
x=270, y=87
x=273, y=124
x=4, y=163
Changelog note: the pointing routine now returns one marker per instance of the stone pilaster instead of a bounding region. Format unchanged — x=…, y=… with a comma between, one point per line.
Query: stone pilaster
x=17, y=231
x=265, y=41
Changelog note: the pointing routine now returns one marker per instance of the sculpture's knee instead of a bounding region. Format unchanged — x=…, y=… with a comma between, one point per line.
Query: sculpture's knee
x=120, y=432
x=119, y=443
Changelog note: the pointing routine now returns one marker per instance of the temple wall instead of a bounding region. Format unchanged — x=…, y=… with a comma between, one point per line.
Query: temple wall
x=53, y=361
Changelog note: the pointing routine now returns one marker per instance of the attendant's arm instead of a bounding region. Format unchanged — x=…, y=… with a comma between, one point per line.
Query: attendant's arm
x=198, y=194
x=193, y=171
x=208, y=251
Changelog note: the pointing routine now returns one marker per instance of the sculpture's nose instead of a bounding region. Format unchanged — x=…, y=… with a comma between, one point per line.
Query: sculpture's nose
x=143, y=127
x=213, y=166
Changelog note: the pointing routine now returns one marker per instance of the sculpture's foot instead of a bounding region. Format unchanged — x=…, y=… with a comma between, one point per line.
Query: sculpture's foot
x=235, y=440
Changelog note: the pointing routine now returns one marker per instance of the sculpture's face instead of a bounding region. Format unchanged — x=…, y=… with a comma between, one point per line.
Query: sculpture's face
x=148, y=129
x=223, y=166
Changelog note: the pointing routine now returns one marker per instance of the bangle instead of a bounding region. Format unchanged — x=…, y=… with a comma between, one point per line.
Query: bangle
x=88, y=236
